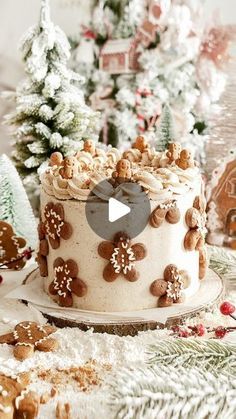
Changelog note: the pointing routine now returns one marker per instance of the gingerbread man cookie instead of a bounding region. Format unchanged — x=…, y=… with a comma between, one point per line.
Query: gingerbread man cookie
x=56, y=159
x=195, y=219
x=89, y=147
x=122, y=257
x=55, y=225
x=173, y=152
x=140, y=144
x=123, y=172
x=43, y=251
x=66, y=283
x=167, y=211
x=69, y=167
x=28, y=337
x=10, y=246
x=15, y=400
x=169, y=290
x=185, y=160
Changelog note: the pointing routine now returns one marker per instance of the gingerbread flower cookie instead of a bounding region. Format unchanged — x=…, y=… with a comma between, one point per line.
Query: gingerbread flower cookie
x=167, y=211
x=122, y=257
x=43, y=251
x=66, y=283
x=10, y=246
x=28, y=337
x=169, y=290
x=15, y=400
x=196, y=220
x=55, y=225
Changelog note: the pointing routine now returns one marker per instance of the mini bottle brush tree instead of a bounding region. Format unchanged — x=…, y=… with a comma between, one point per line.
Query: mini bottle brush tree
x=50, y=114
x=15, y=208
x=166, y=131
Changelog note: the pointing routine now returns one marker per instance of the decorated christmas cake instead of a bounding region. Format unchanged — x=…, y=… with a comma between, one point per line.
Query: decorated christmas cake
x=160, y=266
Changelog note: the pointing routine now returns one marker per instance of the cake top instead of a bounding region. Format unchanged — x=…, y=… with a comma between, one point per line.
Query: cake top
x=160, y=174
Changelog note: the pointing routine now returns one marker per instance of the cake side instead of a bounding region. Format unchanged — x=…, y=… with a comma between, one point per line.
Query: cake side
x=162, y=264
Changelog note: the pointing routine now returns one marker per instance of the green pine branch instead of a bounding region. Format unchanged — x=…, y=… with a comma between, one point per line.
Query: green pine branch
x=166, y=392
x=209, y=355
x=221, y=261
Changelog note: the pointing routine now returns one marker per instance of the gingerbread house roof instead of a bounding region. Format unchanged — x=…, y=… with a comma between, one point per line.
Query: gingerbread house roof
x=114, y=46
x=223, y=177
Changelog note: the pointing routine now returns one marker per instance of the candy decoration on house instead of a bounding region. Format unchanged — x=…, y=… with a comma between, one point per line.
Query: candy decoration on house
x=119, y=56
x=15, y=208
x=221, y=193
x=157, y=45
x=50, y=113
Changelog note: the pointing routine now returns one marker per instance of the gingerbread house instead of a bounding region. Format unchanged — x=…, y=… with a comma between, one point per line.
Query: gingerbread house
x=119, y=56
x=147, y=33
x=222, y=205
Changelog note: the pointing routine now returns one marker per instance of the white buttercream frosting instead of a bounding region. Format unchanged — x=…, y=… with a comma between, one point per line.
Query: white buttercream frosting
x=150, y=169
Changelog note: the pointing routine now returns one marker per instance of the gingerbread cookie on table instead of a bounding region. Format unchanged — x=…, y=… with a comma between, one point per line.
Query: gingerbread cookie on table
x=66, y=282
x=28, y=337
x=15, y=401
x=167, y=211
x=10, y=246
x=122, y=257
x=170, y=288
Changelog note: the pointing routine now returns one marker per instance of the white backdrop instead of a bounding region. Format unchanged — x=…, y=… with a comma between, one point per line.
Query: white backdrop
x=17, y=15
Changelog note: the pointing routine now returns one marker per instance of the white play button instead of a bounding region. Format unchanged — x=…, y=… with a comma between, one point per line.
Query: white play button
x=116, y=210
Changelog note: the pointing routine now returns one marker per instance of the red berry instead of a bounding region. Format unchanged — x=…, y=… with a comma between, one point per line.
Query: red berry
x=183, y=334
x=200, y=329
x=227, y=308
x=1, y=279
x=220, y=332
x=27, y=254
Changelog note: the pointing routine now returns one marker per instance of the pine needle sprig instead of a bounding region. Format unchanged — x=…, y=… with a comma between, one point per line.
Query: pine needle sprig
x=221, y=261
x=167, y=392
x=210, y=355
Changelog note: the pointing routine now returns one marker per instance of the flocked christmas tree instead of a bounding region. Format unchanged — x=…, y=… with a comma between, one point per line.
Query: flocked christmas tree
x=15, y=208
x=166, y=131
x=50, y=114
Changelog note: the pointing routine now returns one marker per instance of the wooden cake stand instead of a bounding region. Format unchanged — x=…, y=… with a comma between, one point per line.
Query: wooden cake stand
x=207, y=298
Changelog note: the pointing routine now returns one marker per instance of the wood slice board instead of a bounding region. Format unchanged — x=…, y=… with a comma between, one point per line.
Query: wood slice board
x=209, y=295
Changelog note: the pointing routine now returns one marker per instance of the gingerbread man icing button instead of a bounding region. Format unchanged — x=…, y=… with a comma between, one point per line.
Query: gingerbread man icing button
x=122, y=257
